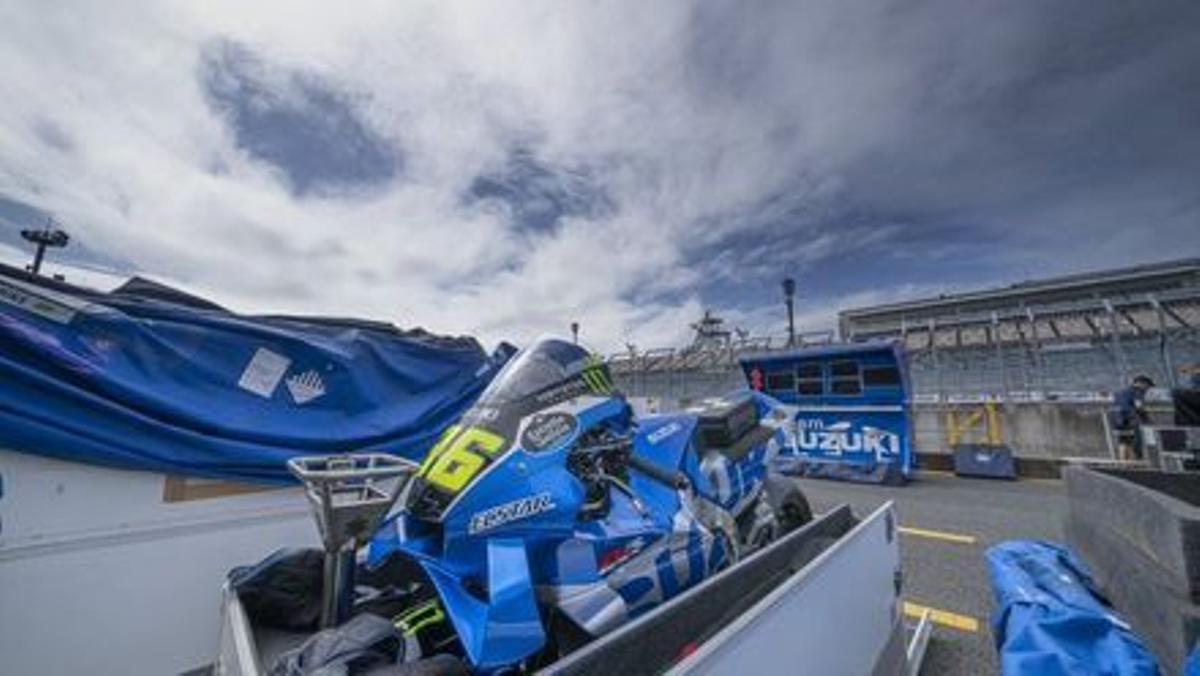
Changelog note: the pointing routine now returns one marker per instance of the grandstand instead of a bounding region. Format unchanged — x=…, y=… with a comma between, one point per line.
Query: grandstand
x=1066, y=338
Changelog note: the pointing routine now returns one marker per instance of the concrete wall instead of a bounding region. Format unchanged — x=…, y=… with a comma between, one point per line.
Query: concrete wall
x=1035, y=430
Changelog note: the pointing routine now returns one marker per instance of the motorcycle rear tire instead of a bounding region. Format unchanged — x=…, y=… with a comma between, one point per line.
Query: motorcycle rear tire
x=789, y=503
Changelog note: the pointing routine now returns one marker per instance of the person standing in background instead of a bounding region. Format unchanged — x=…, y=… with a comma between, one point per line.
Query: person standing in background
x=1129, y=414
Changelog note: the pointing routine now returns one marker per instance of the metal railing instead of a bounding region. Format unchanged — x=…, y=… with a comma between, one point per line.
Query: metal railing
x=1065, y=352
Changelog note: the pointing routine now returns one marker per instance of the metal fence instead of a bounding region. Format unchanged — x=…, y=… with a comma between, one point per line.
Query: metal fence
x=688, y=374
x=1076, y=351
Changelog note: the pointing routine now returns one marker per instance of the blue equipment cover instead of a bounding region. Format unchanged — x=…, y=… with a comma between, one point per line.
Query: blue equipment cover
x=981, y=460
x=852, y=415
x=1050, y=619
x=150, y=378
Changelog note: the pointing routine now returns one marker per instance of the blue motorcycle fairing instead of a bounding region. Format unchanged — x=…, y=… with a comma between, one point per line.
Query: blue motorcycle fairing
x=666, y=440
x=504, y=629
x=508, y=479
x=463, y=551
x=669, y=441
x=451, y=553
x=402, y=533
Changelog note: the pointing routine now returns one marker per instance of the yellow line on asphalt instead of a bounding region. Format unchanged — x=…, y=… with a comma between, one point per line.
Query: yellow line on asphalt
x=1044, y=482
x=938, y=535
x=942, y=617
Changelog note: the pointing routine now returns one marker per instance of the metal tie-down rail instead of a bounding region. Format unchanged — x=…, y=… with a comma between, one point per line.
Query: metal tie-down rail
x=349, y=495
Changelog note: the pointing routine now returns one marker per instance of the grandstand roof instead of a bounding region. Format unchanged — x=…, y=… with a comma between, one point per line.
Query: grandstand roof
x=1112, y=282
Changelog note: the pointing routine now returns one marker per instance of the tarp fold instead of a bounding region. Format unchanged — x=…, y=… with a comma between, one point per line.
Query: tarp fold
x=1051, y=620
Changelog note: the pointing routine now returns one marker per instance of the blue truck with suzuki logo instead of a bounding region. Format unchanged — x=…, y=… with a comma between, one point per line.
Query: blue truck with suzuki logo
x=850, y=408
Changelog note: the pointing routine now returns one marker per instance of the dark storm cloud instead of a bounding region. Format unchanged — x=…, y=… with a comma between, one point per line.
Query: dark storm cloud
x=305, y=126
x=537, y=194
x=980, y=142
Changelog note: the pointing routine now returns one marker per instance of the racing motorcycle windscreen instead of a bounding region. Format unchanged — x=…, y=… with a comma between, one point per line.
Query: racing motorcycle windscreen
x=146, y=377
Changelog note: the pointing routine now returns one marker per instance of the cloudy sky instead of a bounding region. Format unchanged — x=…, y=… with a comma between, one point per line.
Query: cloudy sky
x=500, y=169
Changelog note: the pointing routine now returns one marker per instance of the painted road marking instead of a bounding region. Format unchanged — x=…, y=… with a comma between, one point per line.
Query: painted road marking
x=1044, y=482
x=942, y=617
x=938, y=535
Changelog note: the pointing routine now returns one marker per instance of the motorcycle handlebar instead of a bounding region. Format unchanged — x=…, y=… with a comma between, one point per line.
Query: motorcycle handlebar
x=674, y=479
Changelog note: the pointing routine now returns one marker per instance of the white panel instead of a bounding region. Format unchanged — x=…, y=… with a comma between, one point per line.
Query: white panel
x=833, y=617
x=99, y=576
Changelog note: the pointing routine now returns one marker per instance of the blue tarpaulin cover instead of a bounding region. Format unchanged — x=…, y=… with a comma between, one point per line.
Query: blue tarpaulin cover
x=1051, y=620
x=147, y=377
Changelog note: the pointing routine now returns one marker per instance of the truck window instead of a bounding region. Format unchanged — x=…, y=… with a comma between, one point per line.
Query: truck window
x=810, y=372
x=846, y=377
x=881, y=376
x=810, y=380
x=782, y=381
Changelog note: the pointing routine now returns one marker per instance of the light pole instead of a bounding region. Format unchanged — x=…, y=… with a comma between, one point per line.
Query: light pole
x=48, y=236
x=789, y=297
x=575, y=332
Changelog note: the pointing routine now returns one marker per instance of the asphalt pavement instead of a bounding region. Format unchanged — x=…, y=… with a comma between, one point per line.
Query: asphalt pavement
x=946, y=525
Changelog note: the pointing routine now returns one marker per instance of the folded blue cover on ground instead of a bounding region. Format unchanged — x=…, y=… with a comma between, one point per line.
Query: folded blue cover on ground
x=1050, y=619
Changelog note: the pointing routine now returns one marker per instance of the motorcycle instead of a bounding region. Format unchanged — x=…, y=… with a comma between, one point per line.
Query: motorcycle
x=550, y=515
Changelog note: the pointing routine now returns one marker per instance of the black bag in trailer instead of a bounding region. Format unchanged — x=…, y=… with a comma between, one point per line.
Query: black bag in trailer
x=721, y=423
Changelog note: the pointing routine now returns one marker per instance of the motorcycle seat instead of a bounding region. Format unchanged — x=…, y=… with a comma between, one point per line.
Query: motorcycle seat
x=723, y=422
x=741, y=447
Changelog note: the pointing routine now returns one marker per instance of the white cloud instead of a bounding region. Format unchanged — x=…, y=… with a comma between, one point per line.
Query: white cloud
x=452, y=86
x=694, y=114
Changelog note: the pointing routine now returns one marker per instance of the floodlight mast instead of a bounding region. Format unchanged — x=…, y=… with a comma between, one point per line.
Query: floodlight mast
x=789, y=296
x=47, y=237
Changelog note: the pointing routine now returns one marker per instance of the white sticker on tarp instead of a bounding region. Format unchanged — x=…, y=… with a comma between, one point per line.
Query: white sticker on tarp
x=305, y=386
x=263, y=373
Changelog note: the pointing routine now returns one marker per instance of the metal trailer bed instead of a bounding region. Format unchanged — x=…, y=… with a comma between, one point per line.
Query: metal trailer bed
x=823, y=600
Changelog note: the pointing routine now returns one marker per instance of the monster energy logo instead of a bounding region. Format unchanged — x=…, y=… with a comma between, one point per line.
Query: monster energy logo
x=596, y=378
x=415, y=619
x=592, y=379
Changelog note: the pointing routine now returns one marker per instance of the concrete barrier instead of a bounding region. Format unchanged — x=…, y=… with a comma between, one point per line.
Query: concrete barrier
x=1139, y=590
x=1139, y=532
x=1156, y=512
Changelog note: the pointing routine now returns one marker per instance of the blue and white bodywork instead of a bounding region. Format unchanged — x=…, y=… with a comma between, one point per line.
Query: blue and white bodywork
x=849, y=407
x=550, y=515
